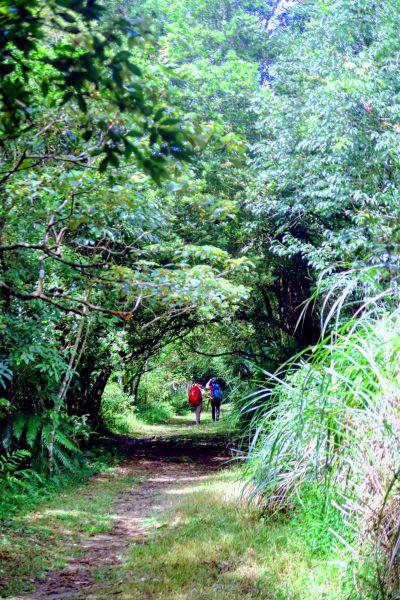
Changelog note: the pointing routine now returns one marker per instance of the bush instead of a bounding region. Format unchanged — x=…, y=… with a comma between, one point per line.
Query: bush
x=335, y=420
x=117, y=412
x=120, y=416
x=156, y=413
x=23, y=488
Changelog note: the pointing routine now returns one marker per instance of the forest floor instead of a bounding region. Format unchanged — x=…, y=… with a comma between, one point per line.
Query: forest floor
x=167, y=522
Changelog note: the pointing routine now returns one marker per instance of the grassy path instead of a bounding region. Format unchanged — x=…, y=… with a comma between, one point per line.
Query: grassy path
x=60, y=547
x=168, y=523
x=135, y=513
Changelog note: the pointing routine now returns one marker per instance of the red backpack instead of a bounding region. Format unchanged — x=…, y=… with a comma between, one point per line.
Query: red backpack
x=194, y=395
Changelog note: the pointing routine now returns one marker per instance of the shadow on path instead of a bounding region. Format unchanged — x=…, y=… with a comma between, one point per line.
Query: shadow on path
x=202, y=449
x=167, y=466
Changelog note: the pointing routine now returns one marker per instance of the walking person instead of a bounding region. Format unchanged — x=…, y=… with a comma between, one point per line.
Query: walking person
x=196, y=399
x=215, y=397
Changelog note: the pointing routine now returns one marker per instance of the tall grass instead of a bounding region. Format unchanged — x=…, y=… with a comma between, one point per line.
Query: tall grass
x=333, y=417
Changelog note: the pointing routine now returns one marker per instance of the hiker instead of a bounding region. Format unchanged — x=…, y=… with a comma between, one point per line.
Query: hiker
x=215, y=398
x=195, y=399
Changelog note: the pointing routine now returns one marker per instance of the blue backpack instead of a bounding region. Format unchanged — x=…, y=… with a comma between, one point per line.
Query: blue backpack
x=216, y=392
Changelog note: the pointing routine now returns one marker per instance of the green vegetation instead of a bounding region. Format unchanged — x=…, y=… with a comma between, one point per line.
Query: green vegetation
x=41, y=527
x=196, y=189
x=163, y=417
x=205, y=537
x=206, y=551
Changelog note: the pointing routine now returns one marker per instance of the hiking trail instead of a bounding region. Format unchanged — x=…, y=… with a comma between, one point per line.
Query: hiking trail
x=165, y=466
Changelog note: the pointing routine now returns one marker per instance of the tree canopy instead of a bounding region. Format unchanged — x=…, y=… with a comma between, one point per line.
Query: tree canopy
x=192, y=188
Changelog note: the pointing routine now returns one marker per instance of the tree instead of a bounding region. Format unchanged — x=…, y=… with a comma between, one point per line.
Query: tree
x=88, y=129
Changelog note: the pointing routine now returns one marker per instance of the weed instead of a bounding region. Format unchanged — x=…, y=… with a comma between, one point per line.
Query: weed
x=214, y=546
x=40, y=530
x=334, y=421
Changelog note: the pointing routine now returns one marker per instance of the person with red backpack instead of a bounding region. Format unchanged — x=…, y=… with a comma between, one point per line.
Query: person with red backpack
x=195, y=399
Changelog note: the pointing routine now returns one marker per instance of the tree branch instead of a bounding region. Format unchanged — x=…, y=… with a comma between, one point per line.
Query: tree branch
x=18, y=245
x=14, y=169
x=230, y=353
x=53, y=299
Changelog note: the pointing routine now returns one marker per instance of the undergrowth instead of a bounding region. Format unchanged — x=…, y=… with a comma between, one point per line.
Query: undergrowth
x=333, y=420
x=24, y=493
x=120, y=415
x=215, y=546
x=40, y=530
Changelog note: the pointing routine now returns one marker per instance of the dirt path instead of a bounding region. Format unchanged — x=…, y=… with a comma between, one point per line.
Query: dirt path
x=166, y=466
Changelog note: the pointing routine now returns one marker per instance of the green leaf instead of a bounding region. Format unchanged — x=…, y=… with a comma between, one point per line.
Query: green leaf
x=104, y=164
x=34, y=425
x=67, y=17
x=64, y=441
x=45, y=86
x=82, y=103
x=19, y=425
x=72, y=29
x=134, y=69
x=170, y=121
x=87, y=135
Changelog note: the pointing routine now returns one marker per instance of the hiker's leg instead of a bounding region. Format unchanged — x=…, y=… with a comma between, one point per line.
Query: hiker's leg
x=218, y=410
x=213, y=410
x=198, y=412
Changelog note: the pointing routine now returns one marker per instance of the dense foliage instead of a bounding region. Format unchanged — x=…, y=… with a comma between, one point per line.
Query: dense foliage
x=325, y=192
x=204, y=188
x=89, y=255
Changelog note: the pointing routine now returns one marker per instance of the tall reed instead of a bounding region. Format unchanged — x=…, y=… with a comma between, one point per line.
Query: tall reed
x=333, y=417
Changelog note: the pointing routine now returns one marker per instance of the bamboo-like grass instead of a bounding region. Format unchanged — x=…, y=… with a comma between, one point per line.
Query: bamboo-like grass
x=332, y=416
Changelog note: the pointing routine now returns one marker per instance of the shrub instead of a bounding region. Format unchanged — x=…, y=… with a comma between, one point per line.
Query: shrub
x=156, y=413
x=335, y=420
x=117, y=412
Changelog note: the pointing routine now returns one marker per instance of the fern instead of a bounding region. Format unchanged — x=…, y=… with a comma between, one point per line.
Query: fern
x=37, y=432
x=33, y=427
x=45, y=440
x=5, y=374
x=64, y=459
x=10, y=466
x=33, y=478
x=19, y=425
x=18, y=481
x=64, y=441
x=46, y=434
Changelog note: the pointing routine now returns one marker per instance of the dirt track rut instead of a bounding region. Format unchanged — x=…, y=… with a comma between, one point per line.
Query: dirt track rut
x=164, y=465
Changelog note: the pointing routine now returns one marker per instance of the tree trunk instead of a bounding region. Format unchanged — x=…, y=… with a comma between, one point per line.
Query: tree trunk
x=135, y=389
x=295, y=313
x=93, y=399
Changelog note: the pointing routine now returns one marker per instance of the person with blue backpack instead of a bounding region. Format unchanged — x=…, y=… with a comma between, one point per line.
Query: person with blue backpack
x=215, y=398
